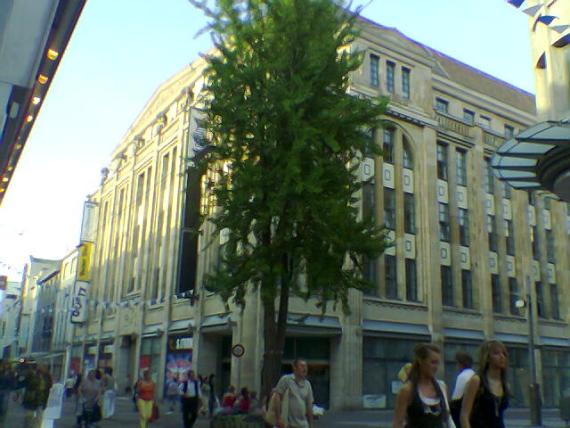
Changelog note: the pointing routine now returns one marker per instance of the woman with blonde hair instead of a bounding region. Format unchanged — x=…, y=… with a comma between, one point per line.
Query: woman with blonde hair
x=487, y=394
x=422, y=401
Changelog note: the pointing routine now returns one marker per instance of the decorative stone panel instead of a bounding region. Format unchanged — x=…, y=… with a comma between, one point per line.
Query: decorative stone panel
x=465, y=258
x=444, y=254
x=511, y=267
x=535, y=270
x=493, y=263
x=551, y=272
x=388, y=175
x=461, y=197
x=442, y=191
x=409, y=246
x=507, y=209
x=408, y=181
x=489, y=204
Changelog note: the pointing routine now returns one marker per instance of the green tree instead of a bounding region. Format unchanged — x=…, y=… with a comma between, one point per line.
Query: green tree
x=287, y=142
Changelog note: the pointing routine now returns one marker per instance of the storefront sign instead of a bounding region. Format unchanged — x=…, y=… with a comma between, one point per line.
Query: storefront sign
x=79, y=303
x=84, y=268
x=181, y=343
x=89, y=222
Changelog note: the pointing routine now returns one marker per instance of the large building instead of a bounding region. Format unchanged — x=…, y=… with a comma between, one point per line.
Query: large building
x=465, y=248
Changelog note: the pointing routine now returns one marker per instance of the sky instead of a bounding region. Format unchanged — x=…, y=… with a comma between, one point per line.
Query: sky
x=122, y=50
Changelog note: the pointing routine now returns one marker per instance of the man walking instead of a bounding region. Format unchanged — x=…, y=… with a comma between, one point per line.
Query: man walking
x=295, y=392
x=464, y=363
x=190, y=392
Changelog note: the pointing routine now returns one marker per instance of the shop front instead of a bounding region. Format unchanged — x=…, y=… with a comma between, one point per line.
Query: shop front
x=555, y=374
x=387, y=347
x=178, y=357
x=150, y=356
x=105, y=356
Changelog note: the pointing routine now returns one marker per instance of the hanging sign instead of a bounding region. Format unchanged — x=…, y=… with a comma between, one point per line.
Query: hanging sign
x=79, y=302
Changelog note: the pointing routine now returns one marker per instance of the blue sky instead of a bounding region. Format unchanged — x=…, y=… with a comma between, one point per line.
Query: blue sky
x=122, y=50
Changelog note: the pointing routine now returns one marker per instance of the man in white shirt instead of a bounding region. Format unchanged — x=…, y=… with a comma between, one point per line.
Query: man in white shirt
x=464, y=362
x=190, y=392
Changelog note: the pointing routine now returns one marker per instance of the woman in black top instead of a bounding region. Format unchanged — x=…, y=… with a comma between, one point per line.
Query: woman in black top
x=421, y=402
x=486, y=394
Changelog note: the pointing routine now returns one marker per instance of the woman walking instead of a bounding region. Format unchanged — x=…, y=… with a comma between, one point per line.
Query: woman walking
x=146, y=392
x=487, y=394
x=422, y=401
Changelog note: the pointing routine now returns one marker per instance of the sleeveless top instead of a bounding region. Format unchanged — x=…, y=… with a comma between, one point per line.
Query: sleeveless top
x=427, y=412
x=488, y=409
x=146, y=390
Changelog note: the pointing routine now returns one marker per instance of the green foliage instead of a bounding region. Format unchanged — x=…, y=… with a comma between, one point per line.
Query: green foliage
x=280, y=114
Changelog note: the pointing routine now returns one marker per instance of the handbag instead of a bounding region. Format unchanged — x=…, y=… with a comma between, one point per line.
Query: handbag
x=270, y=417
x=155, y=413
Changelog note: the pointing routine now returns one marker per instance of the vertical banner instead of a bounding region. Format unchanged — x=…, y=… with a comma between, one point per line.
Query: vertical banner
x=84, y=268
x=79, y=303
x=89, y=222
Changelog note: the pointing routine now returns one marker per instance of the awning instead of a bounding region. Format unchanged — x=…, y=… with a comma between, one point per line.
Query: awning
x=216, y=324
x=537, y=158
x=460, y=333
x=151, y=330
x=395, y=328
x=313, y=325
x=181, y=325
x=511, y=338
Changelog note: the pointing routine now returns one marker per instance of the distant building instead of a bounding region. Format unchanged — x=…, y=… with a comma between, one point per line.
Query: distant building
x=464, y=245
x=9, y=319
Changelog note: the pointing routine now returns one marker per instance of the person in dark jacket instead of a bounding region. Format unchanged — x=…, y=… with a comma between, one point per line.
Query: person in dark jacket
x=7, y=384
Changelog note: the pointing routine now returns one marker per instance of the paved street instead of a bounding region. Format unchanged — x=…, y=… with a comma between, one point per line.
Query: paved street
x=127, y=418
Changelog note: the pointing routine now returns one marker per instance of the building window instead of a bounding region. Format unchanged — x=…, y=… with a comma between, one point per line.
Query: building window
x=554, y=303
x=489, y=177
x=535, y=242
x=540, y=307
x=463, y=227
x=509, y=132
x=369, y=273
x=497, y=295
x=407, y=158
x=390, y=72
x=468, y=116
x=442, y=161
x=441, y=105
x=374, y=70
x=391, y=277
x=446, y=286
x=411, y=281
x=513, y=296
x=443, y=222
x=467, y=289
x=485, y=122
x=461, y=164
x=368, y=201
x=510, y=238
x=389, y=209
x=409, y=214
x=550, y=254
x=388, y=145
x=406, y=83
x=492, y=233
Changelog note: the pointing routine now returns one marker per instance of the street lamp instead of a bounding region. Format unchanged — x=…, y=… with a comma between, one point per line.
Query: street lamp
x=535, y=401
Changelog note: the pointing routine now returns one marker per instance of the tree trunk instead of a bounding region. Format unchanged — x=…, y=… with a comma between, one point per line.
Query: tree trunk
x=274, y=335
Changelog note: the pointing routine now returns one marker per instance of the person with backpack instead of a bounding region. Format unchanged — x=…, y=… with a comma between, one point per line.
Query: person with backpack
x=190, y=397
